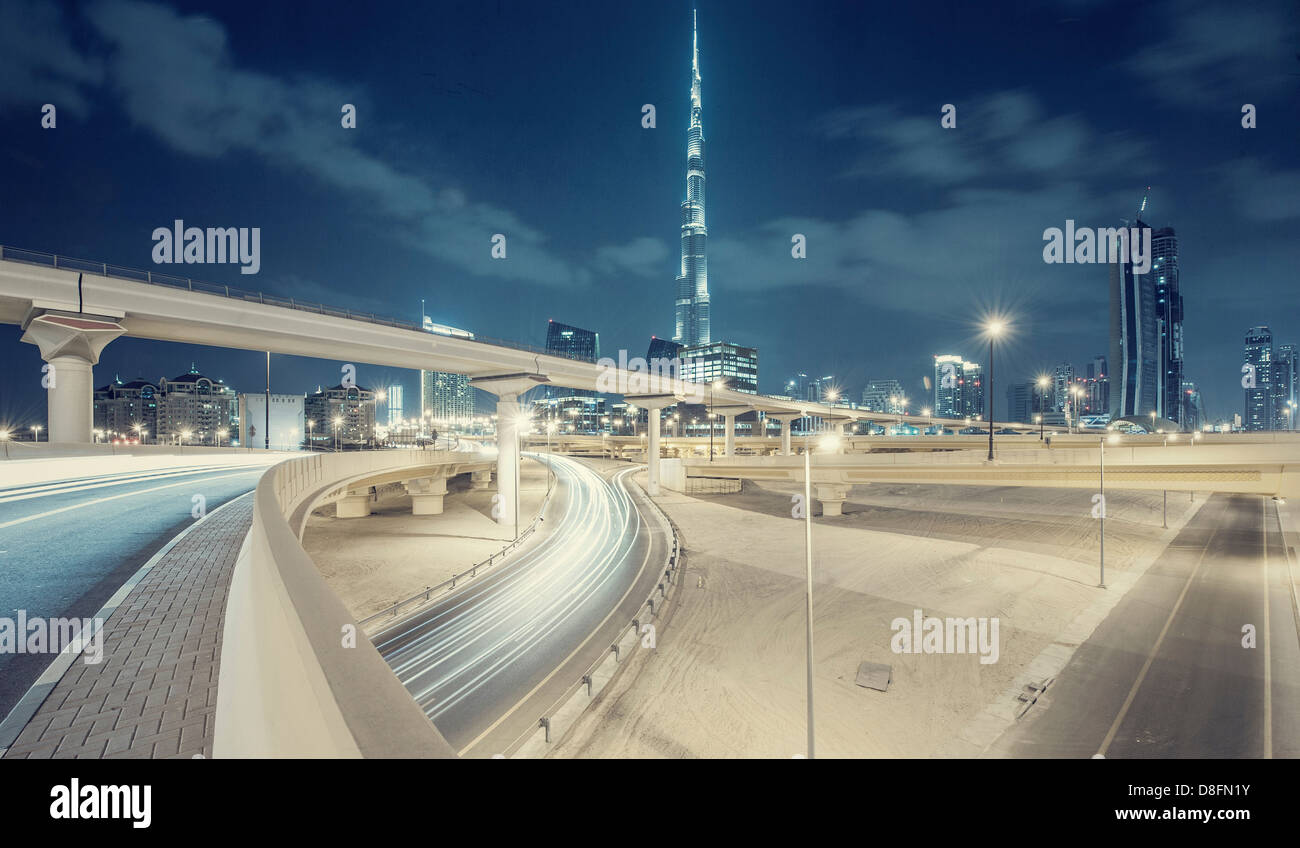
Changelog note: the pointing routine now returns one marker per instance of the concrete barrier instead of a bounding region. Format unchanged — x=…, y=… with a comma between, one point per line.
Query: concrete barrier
x=298, y=676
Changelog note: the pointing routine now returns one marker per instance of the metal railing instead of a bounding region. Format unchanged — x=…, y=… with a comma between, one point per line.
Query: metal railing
x=153, y=278
x=449, y=584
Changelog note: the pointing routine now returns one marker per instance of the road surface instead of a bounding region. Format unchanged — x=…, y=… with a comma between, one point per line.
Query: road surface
x=66, y=546
x=487, y=661
x=1168, y=673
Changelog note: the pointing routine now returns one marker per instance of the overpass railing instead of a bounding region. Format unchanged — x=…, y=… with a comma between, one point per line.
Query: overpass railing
x=154, y=278
x=297, y=676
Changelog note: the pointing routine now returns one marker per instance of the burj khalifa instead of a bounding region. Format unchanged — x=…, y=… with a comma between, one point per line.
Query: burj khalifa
x=692, y=302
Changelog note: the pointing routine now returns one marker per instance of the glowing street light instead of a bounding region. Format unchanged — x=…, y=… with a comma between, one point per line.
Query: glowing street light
x=36, y=432
x=994, y=328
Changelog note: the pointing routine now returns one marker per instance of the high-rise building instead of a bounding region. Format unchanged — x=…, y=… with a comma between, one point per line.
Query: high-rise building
x=343, y=415
x=198, y=405
x=1193, y=410
x=972, y=392
x=796, y=388
x=1285, y=372
x=1257, y=379
x=127, y=409
x=735, y=365
x=1098, y=385
x=662, y=349
x=446, y=398
x=824, y=390
x=393, y=404
x=572, y=342
x=883, y=396
x=1134, y=340
x=1169, y=318
x=1020, y=402
x=958, y=388
x=1062, y=380
x=691, y=305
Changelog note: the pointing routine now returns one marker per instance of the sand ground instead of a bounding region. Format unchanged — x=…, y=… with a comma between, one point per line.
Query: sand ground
x=391, y=554
x=728, y=676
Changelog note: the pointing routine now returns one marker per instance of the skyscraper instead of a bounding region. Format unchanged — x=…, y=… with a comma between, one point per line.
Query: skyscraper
x=394, y=404
x=572, y=342
x=734, y=365
x=1257, y=379
x=883, y=396
x=1286, y=370
x=1134, y=340
x=446, y=398
x=1169, y=315
x=692, y=302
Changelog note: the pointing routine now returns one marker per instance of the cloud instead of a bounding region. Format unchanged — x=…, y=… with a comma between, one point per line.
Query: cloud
x=1003, y=136
x=1218, y=51
x=177, y=78
x=38, y=62
x=1259, y=193
x=643, y=256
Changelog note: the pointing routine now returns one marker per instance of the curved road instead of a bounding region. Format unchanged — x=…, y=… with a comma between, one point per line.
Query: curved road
x=66, y=546
x=485, y=662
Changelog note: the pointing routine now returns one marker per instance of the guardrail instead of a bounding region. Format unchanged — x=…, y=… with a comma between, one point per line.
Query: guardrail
x=153, y=278
x=599, y=674
x=472, y=571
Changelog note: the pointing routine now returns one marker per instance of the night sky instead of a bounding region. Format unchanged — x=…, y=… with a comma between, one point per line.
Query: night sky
x=485, y=117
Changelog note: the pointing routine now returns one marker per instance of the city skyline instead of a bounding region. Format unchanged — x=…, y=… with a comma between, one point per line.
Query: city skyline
x=875, y=129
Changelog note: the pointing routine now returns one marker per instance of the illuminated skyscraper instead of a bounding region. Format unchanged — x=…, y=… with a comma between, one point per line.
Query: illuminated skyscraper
x=692, y=302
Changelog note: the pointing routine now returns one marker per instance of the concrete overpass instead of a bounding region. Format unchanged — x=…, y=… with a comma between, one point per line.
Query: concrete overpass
x=1270, y=468
x=72, y=309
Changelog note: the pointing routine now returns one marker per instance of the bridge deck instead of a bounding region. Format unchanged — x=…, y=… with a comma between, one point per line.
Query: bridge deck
x=154, y=695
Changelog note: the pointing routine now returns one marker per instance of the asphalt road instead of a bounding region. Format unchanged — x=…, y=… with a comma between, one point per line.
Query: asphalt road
x=1167, y=673
x=66, y=546
x=485, y=662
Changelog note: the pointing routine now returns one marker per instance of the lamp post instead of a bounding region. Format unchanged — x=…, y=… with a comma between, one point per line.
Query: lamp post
x=4, y=437
x=221, y=434
x=831, y=443
x=36, y=433
x=1042, y=385
x=311, y=427
x=338, y=420
x=994, y=329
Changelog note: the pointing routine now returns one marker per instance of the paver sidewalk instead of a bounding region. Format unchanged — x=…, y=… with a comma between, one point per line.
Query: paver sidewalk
x=155, y=692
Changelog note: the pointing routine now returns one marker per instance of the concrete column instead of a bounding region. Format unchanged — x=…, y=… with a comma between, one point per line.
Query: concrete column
x=786, y=421
x=652, y=454
x=832, y=497
x=479, y=480
x=70, y=345
x=426, y=495
x=729, y=437
x=355, y=504
x=507, y=458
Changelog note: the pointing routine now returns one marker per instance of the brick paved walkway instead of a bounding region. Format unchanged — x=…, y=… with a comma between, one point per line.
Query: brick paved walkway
x=155, y=693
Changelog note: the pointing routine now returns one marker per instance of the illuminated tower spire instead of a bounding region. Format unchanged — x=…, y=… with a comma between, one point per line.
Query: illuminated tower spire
x=692, y=301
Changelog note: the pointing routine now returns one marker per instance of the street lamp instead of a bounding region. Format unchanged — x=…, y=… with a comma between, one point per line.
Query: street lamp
x=830, y=444
x=221, y=434
x=4, y=437
x=994, y=328
x=716, y=384
x=311, y=427
x=36, y=432
x=1043, y=383
x=338, y=420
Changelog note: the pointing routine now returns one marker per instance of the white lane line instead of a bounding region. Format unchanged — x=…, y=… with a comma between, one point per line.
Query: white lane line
x=61, y=509
x=1268, y=637
x=1142, y=675
x=45, y=490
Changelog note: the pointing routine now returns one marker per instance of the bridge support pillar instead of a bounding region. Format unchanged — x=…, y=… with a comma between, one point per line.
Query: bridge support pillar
x=426, y=495
x=353, y=505
x=832, y=497
x=786, y=422
x=479, y=480
x=70, y=344
x=729, y=436
x=653, y=404
x=508, y=388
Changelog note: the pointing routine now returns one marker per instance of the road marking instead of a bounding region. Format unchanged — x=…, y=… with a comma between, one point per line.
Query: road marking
x=1132, y=693
x=1268, y=648
x=123, y=495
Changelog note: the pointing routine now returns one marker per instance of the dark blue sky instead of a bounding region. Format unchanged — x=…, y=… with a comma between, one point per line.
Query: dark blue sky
x=525, y=118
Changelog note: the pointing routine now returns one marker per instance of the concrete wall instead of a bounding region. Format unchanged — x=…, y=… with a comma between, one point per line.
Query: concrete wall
x=298, y=677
